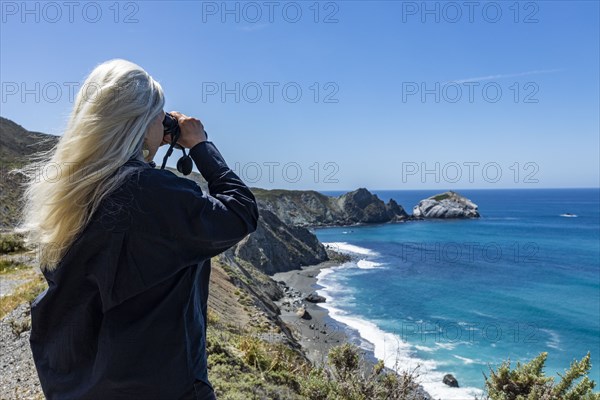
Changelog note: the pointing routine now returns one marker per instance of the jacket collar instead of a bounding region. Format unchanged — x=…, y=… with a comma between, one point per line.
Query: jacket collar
x=134, y=161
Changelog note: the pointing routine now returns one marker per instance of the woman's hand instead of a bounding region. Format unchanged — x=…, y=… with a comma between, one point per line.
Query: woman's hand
x=192, y=131
x=166, y=140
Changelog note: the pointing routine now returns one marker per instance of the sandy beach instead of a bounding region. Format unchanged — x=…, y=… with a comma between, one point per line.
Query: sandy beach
x=319, y=332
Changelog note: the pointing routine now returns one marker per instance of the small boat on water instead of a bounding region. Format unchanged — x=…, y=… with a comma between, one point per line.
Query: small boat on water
x=568, y=215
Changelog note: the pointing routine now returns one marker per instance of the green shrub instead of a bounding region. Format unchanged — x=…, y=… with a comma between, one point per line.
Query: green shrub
x=441, y=197
x=317, y=385
x=213, y=317
x=253, y=352
x=7, y=266
x=345, y=380
x=344, y=359
x=10, y=243
x=527, y=382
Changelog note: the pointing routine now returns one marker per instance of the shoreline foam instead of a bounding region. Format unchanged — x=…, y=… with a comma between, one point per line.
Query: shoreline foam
x=328, y=331
x=339, y=326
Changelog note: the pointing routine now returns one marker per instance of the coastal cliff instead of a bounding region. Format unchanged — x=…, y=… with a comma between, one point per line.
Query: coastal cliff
x=311, y=208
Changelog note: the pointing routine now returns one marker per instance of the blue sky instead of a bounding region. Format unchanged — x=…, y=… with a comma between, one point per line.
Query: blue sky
x=375, y=94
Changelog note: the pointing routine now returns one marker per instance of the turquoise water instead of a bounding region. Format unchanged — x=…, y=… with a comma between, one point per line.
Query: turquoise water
x=457, y=296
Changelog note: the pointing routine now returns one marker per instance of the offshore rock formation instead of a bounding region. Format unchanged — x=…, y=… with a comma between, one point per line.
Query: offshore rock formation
x=446, y=205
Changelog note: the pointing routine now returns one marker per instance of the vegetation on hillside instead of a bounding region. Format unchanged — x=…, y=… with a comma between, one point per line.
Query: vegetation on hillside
x=253, y=362
x=441, y=197
x=12, y=243
x=343, y=379
x=242, y=365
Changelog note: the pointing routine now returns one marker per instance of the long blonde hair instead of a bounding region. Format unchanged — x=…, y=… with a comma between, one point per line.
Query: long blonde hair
x=106, y=128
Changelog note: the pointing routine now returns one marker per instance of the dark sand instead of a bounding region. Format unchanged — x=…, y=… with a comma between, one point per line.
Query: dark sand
x=321, y=332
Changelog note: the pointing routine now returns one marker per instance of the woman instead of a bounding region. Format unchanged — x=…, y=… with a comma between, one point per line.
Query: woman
x=125, y=247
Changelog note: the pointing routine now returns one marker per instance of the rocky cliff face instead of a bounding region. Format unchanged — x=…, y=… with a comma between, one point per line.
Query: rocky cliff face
x=446, y=205
x=361, y=206
x=397, y=212
x=16, y=145
x=299, y=207
x=276, y=246
x=311, y=208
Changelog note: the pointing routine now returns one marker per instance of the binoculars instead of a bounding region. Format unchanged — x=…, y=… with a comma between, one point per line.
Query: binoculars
x=171, y=127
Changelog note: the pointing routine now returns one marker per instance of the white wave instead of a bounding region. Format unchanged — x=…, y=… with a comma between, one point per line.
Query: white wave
x=396, y=353
x=364, y=264
x=325, y=272
x=434, y=385
x=331, y=286
x=447, y=346
x=425, y=348
x=464, y=359
x=344, y=247
x=341, y=292
x=554, y=340
x=567, y=215
x=328, y=276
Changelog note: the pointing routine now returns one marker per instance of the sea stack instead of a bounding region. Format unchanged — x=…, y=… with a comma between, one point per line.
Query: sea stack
x=446, y=205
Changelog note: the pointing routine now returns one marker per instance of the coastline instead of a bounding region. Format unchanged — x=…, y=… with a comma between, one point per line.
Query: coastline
x=321, y=332
x=318, y=334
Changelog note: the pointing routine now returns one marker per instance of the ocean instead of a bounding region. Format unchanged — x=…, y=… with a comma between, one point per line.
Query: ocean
x=461, y=296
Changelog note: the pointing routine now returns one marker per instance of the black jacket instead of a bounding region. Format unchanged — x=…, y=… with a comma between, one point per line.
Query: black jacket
x=124, y=316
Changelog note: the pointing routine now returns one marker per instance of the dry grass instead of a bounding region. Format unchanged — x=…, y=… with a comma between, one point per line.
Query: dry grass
x=26, y=292
x=9, y=266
